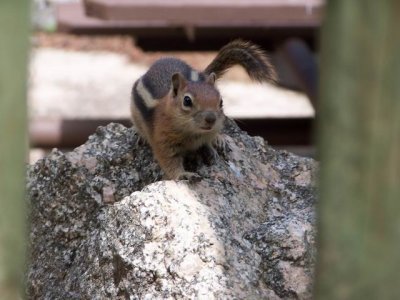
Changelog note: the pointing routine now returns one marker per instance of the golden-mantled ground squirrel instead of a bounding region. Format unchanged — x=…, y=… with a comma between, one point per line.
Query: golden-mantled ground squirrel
x=177, y=109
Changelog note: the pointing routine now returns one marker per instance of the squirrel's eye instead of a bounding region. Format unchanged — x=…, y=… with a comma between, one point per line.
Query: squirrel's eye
x=187, y=101
x=221, y=103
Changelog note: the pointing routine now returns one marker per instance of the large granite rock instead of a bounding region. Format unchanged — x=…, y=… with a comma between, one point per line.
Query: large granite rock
x=104, y=225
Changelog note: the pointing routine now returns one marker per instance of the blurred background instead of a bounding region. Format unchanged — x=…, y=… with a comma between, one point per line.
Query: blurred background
x=87, y=54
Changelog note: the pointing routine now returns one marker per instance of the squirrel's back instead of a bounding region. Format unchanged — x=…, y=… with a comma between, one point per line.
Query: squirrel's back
x=157, y=79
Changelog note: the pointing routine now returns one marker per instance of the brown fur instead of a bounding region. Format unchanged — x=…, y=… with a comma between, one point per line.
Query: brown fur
x=176, y=131
x=250, y=56
x=177, y=128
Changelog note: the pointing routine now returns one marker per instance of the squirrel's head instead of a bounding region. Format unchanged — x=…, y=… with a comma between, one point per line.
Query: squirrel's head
x=198, y=105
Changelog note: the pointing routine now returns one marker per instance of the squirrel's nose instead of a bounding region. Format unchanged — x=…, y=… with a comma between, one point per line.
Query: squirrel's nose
x=210, y=118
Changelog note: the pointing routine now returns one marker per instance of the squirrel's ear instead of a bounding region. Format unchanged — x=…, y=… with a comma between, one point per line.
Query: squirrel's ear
x=211, y=78
x=178, y=83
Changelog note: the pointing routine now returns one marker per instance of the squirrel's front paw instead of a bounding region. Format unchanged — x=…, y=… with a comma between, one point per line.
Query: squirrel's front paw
x=221, y=144
x=190, y=176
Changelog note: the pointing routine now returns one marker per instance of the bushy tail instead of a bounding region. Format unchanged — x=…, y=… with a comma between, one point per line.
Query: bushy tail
x=250, y=56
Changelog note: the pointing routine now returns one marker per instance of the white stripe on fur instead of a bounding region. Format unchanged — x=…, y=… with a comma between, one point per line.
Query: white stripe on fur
x=149, y=101
x=194, y=76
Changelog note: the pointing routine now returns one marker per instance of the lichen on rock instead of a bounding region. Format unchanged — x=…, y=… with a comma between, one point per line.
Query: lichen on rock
x=105, y=226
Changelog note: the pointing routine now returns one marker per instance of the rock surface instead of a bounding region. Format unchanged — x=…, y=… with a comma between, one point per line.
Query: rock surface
x=104, y=225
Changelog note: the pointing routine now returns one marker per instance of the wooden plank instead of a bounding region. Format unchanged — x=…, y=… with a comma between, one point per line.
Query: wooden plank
x=211, y=13
x=14, y=20
x=156, y=35
x=71, y=18
x=359, y=213
x=67, y=133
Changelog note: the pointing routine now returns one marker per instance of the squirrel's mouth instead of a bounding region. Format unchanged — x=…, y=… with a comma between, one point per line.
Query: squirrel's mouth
x=206, y=128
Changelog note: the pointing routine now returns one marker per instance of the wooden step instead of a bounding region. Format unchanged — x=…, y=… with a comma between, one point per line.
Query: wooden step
x=71, y=18
x=214, y=13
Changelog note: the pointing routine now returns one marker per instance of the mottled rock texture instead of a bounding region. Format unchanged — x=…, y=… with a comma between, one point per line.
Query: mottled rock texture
x=104, y=225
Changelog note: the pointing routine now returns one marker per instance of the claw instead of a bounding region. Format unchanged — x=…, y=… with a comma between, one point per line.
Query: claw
x=221, y=144
x=140, y=141
x=189, y=176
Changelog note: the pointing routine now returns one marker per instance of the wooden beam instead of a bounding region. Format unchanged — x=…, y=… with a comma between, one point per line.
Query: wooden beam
x=193, y=12
x=359, y=140
x=71, y=18
x=65, y=133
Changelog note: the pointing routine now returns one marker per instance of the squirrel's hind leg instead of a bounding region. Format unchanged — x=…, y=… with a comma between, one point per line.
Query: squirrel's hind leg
x=172, y=165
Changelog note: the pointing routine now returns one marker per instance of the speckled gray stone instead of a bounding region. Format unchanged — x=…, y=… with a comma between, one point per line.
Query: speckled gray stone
x=104, y=225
